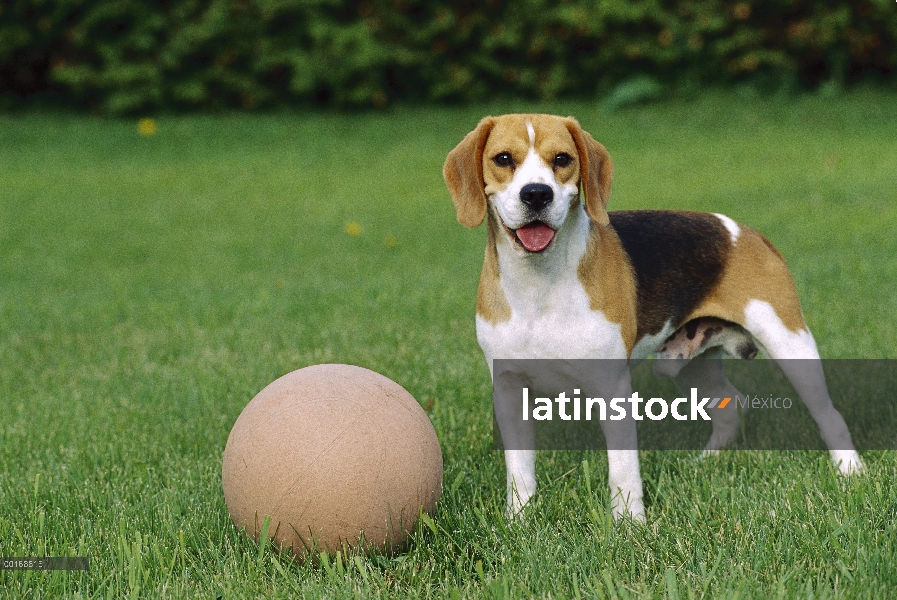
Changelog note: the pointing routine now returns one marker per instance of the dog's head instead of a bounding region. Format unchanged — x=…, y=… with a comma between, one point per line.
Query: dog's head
x=529, y=169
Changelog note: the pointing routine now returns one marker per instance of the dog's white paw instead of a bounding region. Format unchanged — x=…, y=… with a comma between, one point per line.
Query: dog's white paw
x=518, y=500
x=633, y=508
x=848, y=462
x=515, y=512
x=708, y=453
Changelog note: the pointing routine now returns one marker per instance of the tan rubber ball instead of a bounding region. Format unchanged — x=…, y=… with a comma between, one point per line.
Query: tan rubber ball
x=334, y=454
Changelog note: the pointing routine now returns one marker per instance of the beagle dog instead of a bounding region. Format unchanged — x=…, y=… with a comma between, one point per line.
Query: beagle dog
x=564, y=279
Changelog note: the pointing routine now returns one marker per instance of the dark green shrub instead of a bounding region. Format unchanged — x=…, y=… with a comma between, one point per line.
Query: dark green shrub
x=126, y=56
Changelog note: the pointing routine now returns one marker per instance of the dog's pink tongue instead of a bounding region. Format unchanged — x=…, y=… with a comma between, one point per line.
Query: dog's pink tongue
x=535, y=236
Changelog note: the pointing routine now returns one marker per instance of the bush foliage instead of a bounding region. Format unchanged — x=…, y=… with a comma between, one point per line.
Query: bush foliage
x=126, y=56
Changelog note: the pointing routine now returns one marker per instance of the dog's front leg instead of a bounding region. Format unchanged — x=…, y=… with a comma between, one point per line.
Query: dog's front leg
x=518, y=440
x=624, y=476
x=521, y=467
x=625, y=481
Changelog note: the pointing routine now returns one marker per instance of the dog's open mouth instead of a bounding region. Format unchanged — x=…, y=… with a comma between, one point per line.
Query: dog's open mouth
x=534, y=236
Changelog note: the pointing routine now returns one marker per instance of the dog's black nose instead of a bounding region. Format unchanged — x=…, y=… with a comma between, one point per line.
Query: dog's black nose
x=536, y=195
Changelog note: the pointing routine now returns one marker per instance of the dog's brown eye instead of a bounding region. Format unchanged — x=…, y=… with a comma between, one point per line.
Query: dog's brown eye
x=562, y=160
x=503, y=159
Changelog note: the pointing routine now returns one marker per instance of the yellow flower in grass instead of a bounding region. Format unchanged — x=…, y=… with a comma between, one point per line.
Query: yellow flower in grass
x=390, y=241
x=146, y=127
x=353, y=228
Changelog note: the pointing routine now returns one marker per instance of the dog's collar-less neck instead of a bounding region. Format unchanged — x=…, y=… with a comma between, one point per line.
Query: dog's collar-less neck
x=532, y=282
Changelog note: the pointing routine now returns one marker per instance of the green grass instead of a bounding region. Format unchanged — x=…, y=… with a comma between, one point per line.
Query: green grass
x=149, y=287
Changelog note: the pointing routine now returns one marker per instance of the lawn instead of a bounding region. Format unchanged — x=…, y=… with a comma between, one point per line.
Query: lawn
x=151, y=285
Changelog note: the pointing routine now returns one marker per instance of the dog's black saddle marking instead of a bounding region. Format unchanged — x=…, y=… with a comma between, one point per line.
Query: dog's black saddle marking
x=678, y=258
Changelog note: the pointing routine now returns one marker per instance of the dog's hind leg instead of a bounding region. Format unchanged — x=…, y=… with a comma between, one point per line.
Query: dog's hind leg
x=708, y=376
x=708, y=338
x=806, y=375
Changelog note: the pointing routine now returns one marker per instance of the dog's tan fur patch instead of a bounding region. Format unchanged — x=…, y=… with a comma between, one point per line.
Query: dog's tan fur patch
x=609, y=282
x=755, y=270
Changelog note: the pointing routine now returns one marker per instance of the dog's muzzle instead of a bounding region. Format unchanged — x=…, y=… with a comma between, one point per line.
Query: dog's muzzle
x=536, y=235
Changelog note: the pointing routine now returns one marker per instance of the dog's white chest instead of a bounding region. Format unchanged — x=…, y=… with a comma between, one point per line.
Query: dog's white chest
x=550, y=320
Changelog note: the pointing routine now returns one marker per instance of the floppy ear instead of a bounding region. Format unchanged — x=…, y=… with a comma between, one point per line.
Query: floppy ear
x=463, y=173
x=595, y=171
